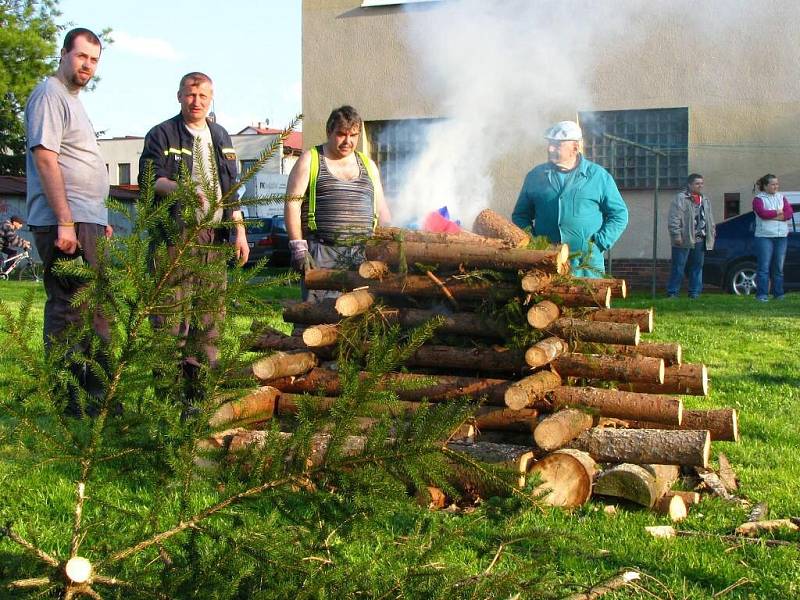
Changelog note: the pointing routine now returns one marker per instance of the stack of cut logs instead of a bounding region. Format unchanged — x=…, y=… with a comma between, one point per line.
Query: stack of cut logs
x=623, y=432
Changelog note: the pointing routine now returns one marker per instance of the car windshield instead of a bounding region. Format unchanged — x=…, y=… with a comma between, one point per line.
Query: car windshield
x=253, y=226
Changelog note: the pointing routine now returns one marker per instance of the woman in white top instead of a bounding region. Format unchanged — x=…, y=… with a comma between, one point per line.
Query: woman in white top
x=772, y=211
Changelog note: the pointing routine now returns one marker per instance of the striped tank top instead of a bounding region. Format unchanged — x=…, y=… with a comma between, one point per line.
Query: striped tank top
x=345, y=209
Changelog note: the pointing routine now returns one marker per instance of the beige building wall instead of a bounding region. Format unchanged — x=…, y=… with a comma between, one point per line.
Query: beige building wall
x=740, y=82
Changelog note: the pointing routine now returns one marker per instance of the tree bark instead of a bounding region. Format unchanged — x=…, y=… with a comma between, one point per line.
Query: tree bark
x=643, y=317
x=464, y=237
x=566, y=478
x=622, y=405
x=554, y=431
x=722, y=423
x=595, y=331
x=373, y=269
x=545, y=351
x=489, y=418
x=442, y=387
x=407, y=285
x=257, y=405
x=515, y=458
x=460, y=323
x=354, y=303
x=311, y=313
x=530, y=391
x=689, y=498
x=470, y=255
x=277, y=340
x=491, y=360
x=576, y=295
x=673, y=506
x=610, y=368
x=671, y=353
x=494, y=225
x=321, y=335
x=534, y=282
x=687, y=378
x=642, y=484
x=619, y=289
x=543, y=314
x=645, y=446
x=284, y=364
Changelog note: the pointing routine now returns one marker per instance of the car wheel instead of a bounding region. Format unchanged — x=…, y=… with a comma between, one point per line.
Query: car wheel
x=742, y=279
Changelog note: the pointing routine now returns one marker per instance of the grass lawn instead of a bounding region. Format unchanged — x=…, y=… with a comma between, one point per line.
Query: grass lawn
x=753, y=356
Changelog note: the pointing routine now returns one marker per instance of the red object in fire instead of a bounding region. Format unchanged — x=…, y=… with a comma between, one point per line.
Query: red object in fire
x=436, y=223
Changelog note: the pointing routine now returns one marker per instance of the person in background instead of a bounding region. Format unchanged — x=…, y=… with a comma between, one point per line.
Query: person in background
x=773, y=212
x=572, y=200
x=67, y=191
x=10, y=239
x=334, y=200
x=691, y=232
x=167, y=146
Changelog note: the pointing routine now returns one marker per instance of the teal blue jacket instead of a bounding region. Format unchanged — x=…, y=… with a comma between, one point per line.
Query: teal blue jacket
x=588, y=215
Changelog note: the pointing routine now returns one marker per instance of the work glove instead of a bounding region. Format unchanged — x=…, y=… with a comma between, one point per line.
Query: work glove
x=301, y=257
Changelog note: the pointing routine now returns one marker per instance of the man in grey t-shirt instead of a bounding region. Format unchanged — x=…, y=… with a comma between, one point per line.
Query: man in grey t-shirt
x=67, y=185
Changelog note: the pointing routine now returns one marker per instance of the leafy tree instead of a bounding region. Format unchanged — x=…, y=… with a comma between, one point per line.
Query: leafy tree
x=28, y=38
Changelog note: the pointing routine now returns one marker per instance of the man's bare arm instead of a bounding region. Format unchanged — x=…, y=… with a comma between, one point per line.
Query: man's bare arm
x=384, y=214
x=295, y=190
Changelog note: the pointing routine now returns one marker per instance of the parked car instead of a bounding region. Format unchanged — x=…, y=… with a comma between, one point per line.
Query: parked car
x=267, y=238
x=732, y=263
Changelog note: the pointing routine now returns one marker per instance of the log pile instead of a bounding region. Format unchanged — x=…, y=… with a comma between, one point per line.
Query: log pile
x=598, y=410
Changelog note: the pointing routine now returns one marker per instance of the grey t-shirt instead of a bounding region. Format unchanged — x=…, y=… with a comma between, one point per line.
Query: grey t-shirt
x=56, y=120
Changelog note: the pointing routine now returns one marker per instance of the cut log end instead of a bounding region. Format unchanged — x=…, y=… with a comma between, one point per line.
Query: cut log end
x=354, y=303
x=565, y=480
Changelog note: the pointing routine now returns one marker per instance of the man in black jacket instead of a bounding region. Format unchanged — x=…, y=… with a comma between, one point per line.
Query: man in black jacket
x=204, y=148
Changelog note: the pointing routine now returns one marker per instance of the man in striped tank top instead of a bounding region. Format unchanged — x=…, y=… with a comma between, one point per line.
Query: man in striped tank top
x=334, y=201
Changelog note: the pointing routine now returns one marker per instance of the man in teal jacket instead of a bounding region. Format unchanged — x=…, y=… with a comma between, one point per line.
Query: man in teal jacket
x=572, y=200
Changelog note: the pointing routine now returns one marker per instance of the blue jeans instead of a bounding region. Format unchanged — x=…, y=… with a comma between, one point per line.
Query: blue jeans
x=770, y=252
x=691, y=258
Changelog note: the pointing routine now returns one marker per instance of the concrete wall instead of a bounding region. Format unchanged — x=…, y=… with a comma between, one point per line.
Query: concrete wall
x=740, y=81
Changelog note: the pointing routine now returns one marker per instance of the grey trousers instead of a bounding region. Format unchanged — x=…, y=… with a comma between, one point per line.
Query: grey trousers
x=331, y=257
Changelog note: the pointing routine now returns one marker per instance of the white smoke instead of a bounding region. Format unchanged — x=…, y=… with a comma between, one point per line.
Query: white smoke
x=501, y=71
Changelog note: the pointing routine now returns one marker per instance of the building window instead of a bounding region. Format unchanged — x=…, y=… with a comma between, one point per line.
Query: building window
x=732, y=205
x=394, y=145
x=124, y=174
x=663, y=129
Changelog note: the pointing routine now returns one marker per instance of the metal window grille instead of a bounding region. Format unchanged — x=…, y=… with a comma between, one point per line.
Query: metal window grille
x=665, y=129
x=393, y=145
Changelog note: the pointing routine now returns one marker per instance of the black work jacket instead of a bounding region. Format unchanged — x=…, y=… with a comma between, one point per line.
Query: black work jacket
x=169, y=145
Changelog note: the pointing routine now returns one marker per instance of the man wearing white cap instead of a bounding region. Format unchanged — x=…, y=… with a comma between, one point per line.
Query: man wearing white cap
x=572, y=200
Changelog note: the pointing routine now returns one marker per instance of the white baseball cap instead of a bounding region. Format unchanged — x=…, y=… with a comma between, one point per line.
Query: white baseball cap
x=563, y=131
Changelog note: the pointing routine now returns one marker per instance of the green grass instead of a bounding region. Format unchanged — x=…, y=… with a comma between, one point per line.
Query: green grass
x=752, y=353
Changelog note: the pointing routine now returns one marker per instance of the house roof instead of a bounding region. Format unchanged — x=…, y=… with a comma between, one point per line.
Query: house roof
x=11, y=185
x=294, y=141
